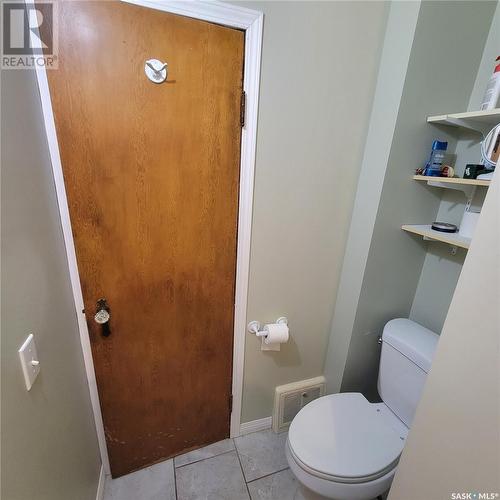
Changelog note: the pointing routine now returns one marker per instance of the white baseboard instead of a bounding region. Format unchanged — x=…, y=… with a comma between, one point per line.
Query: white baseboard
x=100, y=485
x=256, y=425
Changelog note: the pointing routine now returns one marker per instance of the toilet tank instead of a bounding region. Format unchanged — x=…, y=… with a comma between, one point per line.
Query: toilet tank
x=407, y=352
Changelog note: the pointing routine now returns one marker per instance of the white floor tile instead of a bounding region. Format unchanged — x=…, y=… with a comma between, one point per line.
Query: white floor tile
x=280, y=486
x=261, y=453
x=216, y=478
x=211, y=450
x=154, y=483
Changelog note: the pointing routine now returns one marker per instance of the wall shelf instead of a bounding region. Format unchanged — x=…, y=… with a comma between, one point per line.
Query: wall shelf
x=425, y=230
x=479, y=121
x=451, y=180
x=467, y=186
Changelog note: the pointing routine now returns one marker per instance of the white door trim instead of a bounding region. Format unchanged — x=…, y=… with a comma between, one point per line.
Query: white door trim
x=221, y=13
x=100, y=485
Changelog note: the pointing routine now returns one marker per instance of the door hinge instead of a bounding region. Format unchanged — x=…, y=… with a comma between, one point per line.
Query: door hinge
x=230, y=403
x=243, y=104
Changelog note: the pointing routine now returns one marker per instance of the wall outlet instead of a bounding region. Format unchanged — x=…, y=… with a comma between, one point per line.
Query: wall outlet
x=29, y=361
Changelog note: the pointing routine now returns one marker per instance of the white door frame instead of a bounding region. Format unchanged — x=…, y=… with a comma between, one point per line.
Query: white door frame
x=220, y=13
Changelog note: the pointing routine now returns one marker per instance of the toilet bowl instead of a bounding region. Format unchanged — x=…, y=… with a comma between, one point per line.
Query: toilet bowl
x=343, y=447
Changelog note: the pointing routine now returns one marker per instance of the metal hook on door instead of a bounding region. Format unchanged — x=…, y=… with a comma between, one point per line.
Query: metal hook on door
x=156, y=70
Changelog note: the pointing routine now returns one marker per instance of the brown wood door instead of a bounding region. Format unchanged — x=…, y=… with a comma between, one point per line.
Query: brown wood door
x=152, y=178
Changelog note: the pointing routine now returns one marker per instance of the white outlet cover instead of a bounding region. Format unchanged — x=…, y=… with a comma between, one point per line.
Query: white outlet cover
x=28, y=355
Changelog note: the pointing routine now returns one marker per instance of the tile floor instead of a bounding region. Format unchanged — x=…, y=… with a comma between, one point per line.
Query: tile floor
x=251, y=467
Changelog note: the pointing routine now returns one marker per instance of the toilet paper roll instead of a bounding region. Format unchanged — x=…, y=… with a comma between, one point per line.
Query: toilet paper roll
x=277, y=333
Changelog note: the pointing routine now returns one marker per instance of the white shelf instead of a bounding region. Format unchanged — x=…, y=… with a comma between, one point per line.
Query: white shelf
x=480, y=121
x=467, y=186
x=452, y=180
x=425, y=230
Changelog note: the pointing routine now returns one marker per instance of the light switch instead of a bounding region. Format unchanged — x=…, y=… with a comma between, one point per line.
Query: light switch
x=29, y=361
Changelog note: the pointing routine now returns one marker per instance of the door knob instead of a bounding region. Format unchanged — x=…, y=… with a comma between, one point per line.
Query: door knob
x=102, y=316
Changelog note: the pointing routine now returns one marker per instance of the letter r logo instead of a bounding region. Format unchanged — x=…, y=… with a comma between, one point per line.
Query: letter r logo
x=27, y=29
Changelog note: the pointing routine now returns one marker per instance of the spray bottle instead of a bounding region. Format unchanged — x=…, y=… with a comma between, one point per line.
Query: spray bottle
x=492, y=93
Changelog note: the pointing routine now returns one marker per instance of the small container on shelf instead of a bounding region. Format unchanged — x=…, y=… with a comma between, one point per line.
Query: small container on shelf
x=444, y=227
x=436, y=159
x=468, y=224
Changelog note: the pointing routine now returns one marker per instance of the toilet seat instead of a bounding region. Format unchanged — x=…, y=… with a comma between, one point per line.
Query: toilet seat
x=345, y=439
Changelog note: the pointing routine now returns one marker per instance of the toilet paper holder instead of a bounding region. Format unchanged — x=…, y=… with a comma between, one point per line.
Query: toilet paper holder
x=255, y=326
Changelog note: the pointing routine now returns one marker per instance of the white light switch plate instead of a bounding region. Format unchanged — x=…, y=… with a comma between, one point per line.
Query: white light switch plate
x=29, y=361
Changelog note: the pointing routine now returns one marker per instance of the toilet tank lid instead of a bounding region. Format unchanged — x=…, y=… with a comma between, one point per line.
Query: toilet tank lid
x=412, y=340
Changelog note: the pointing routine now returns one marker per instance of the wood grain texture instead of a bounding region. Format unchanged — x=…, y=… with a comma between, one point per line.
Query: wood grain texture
x=152, y=177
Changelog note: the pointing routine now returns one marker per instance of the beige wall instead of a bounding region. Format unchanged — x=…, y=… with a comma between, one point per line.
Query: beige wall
x=320, y=61
x=48, y=440
x=453, y=445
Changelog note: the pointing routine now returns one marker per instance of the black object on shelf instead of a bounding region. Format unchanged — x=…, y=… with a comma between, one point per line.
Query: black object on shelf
x=444, y=227
x=472, y=170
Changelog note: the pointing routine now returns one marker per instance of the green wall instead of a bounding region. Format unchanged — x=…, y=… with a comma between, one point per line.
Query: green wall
x=319, y=66
x=48, y=439
x=441, y=71
x=441, y=269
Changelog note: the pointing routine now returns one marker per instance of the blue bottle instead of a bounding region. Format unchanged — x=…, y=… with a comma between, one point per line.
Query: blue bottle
x=435, y=163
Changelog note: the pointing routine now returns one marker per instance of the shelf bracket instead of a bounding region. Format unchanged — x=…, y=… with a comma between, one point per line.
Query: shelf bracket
x=453, y=248
x=476, y=126
x=468, y=190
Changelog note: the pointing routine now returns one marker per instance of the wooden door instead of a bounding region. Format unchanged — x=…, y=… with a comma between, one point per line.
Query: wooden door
x=152, y=177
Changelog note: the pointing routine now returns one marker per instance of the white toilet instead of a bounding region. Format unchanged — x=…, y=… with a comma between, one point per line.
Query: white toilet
x=343, y=447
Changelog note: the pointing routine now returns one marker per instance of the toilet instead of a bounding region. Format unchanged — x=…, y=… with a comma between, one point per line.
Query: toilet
x=343, y=447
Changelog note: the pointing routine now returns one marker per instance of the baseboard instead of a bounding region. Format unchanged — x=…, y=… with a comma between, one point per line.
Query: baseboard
x=256, y=425
x=100, y=485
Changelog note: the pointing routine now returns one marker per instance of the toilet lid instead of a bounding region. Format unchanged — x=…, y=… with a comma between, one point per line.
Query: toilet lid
x=344, y=437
